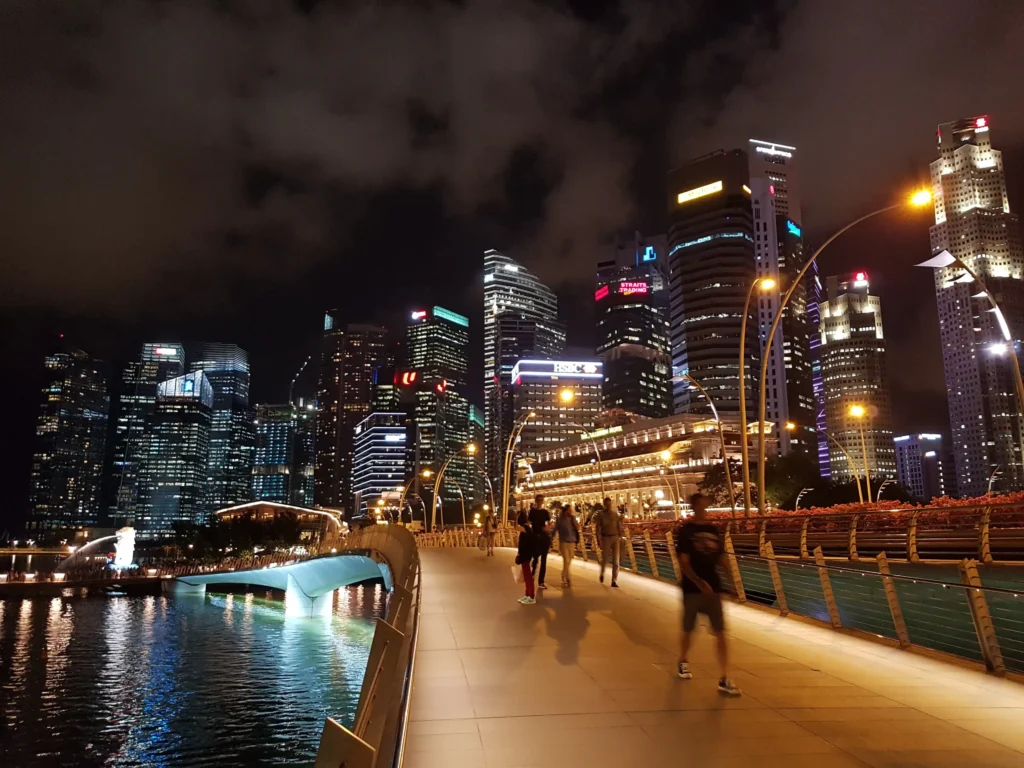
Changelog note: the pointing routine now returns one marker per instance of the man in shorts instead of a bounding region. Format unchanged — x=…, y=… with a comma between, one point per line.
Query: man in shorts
x=699, y=547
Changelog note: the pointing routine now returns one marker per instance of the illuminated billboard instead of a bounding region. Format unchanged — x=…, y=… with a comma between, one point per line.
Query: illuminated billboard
x=696, y=192
x=601, y=293
x=583, y=369
x=629, y=287
x=406, y=378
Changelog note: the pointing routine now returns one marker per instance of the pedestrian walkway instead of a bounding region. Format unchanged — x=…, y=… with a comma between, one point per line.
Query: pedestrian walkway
x=586, y=677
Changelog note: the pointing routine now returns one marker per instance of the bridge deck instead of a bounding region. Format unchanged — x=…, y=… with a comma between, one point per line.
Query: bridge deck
x=586, y=678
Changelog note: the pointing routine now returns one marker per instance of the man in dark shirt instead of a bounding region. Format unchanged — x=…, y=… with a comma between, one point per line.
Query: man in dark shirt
x=699, y=547
x=540, y=521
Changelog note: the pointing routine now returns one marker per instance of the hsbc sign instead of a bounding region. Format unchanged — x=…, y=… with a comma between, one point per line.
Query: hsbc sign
x=553, y=368
x=575, y=368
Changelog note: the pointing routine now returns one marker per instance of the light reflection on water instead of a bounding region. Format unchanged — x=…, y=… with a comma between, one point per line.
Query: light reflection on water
x=161, y=681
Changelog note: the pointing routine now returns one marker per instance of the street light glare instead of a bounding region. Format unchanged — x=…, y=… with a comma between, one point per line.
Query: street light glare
x=426, y=473
x=857, y=411
x=790, y=426
x=767, y=284
x=921, y=197
x=471, y=447
x=567, y=395
x=666, y=455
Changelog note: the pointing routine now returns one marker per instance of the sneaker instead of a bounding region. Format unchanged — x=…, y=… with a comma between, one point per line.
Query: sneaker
x=601, y=578
x=527, y=601
x=542, y=586
x=728, y=687
x=684, y=671
x=615, y=585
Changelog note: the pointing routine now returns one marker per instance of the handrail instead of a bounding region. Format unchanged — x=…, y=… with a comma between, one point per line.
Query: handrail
x=403, y=725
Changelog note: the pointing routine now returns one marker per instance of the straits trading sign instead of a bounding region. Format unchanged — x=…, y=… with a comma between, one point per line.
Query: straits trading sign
x=554, y=368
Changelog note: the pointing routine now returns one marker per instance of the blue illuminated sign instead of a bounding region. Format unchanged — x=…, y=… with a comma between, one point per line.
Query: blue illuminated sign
x=793, y=228
x=649, y=254
x=188, y=386
x=708, y=239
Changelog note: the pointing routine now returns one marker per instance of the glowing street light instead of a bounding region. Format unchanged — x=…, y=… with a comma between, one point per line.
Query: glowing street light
x=859, y=412
x=567, y=396
x=921, y=197
x=764, y=285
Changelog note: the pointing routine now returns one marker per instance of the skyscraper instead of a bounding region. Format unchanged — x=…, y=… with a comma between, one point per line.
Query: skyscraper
x=853, y=366
x=778, y=248
x=923, y=467
x=157, y=363
x=71, y=431
x=512, y=294
x=176, y=454
x=380, y=458
x=712, y=267
x=348, y=359
x=283, y=466
x=563, y=395
x=973, y=222
x=632, y=327
x=232, y=431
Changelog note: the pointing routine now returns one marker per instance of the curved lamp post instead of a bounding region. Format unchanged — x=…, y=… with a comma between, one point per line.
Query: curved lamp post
x=878, y=493
x=600, y=466
x=849, y=458
x=469, y=448
x=860, y=413
x=764, y=284
x=917, y=200
x=513, y=438
x=666, y=456
x=721, y=432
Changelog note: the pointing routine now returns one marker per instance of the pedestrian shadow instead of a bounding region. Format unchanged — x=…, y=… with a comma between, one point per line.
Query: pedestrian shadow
x=567, y=623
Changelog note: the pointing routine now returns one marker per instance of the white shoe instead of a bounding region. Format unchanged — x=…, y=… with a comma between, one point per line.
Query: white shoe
x=728, y=687
x=527, y=600
x=684, y=671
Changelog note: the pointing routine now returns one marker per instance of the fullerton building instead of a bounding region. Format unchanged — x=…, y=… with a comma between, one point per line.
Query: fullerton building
x=650, y=468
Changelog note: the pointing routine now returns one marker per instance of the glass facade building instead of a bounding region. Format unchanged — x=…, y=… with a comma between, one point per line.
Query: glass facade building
x=283, y=464
x=538, y=387
x=71, y=431
x=380, y=458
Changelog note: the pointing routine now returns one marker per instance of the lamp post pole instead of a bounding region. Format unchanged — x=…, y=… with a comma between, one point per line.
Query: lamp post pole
x=471, y=448
x=864, y=455
x=600, y=466
x=849, y=458
x=721, y=434
x=765, y=284
x=919, y=199
x=517, y=428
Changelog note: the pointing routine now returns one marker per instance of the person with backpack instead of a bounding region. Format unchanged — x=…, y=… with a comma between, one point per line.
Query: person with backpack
x=699, y=548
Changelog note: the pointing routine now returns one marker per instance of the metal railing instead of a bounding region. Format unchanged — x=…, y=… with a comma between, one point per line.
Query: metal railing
x=974, y=621
x=378, y=734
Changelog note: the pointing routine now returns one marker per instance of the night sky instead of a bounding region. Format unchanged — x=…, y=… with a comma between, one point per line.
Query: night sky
x=225, y=171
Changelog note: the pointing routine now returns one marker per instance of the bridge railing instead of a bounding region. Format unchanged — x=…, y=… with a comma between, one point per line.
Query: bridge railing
x=378, y=734
x=950, y=611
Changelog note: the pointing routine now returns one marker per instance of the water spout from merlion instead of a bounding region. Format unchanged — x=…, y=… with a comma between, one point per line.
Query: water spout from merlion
x=124, y=547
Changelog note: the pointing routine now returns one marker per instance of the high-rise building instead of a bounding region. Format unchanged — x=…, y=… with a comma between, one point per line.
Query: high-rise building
x=438, y=351
x=232, y=429
x=350, y=354
x=283, y=468
x=380, y=458
x=176, y=454
x=923, y=468
x=711, y=270
x=973, y=222
x=779, y=254
x=512, y=295
x=853, y=366
x=71, y=431
x=632, y=327
x=157, y=363
x=563, y=395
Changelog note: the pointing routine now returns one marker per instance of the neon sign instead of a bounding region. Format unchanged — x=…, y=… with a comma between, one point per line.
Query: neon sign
x=452, y=317
x=419, y=314
x=601, y=293
x=793, y=228
x=406, y=378
x=629, y=287
x=773, y=151
x=650, y=254
x=696, y=192
x=165, y=351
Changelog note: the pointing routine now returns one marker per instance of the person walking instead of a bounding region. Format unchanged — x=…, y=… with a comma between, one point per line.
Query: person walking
x=699, y=548
x=540, y=521
x=524, y=554
x=490, y=528
x=568, y=536
x=608, y=529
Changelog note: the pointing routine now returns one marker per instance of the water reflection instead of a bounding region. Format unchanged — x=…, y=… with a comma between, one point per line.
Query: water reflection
x=154, y=681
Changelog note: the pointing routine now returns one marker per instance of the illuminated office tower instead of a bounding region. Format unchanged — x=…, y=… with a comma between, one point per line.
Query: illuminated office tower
x=232, y=431
x=176, y=454
x=349, y=356
x=923, y=467
x=380, y=458
x=71, y=431
x=157, y=363
x=853, y=366
x=632, y=327
x=515, y=302
x=283, y=464
x=973, y=223
x=711, y=269
x=564, y=395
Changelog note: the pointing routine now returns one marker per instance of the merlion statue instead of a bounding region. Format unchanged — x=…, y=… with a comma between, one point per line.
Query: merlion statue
x=124, y=547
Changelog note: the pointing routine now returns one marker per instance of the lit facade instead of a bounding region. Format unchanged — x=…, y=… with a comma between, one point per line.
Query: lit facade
x=711, y=268
x=349, y=356
x=538, y=387
x=71, y=431
x=283, y=465
x=854, y=371
x=173, y=475
x=380, y=459
x=973, y=222
x=512, y=293
x=632, y=327
x=923, y=467
x=157, y=363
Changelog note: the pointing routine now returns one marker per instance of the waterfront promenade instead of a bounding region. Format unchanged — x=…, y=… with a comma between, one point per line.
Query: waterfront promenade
x=586, y=677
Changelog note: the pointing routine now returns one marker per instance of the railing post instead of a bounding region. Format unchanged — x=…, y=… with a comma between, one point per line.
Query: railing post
x=762, y=538
x=632, y=554
x=894, y=602
x=733, y=566
x=912, y=556
x=773, y=569
x=852, y=544
x=982, y=618
x=984, y=542
x=804, y=554
x=650, y=555
x=671, y=541
x=583, y=546
x=826, y=588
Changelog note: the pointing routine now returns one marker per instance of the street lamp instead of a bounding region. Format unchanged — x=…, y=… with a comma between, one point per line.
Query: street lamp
x=513, y=438
x=721, y=432
x=860, y=413
x=762, y=284
x=469, y=448
x=849, y=458
x=600, y=466
x=567, y=396
x=666, y=456
x=918, y=199
x=799, y=496
x=878, y=493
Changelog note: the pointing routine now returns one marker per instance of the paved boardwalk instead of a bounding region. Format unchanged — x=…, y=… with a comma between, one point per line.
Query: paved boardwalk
x=586, y=678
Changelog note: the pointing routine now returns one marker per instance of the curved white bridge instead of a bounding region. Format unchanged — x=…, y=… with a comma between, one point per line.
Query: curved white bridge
x=308, y=585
